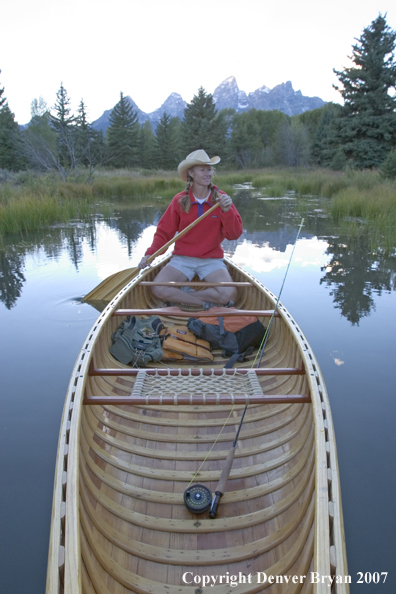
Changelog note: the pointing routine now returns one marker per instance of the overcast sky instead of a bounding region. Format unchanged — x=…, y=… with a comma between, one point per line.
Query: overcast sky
x=150, y=48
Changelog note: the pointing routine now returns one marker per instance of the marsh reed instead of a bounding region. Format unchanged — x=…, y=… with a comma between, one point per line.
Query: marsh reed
x=29, y=202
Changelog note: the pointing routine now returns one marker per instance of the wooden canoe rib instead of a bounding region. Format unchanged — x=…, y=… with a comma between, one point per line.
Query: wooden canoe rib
x=119, y=523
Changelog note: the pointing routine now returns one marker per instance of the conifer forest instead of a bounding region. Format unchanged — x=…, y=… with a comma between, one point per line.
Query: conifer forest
x=360, y=133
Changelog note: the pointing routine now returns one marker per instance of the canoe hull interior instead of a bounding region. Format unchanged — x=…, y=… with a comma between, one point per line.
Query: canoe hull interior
x=119, y=520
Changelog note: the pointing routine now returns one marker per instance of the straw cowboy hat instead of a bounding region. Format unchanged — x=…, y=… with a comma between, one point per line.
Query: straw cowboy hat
x=196, y=158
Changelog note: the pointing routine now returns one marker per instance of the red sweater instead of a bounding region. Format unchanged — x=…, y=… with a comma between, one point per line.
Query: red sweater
x=203, y=240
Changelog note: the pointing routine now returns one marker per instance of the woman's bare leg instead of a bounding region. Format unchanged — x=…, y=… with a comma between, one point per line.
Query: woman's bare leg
x=173, y=294
x=220, y=295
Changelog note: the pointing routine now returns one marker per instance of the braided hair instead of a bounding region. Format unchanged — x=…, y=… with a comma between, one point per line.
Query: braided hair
x=185, y=202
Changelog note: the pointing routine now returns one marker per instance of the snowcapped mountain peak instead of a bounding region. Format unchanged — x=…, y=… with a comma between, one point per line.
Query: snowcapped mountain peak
x=231, y=80
x=227, y=95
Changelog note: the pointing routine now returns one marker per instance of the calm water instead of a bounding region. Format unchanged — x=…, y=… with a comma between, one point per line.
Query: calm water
x=340, y=291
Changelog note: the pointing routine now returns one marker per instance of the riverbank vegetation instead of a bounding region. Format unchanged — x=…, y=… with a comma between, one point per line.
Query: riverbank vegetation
x=356, y=198
x=359, y=134
x=60, y=166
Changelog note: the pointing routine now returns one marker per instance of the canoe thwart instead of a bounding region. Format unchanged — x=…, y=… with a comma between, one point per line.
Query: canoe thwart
x=210, y=313
x=224, y=388
x=203, y=284
x=153, y=370
x=196, y=400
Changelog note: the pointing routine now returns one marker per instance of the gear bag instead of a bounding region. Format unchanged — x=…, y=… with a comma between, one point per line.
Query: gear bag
x=137, y=341
x=237, y=344
x=232, y=323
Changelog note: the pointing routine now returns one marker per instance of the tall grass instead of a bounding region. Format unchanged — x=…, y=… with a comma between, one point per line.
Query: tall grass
x=39, y=202
x=358, y=200
x=311, y=182
x=375, y=207
x=122, y=187
x=35, y=212
x=29, y=202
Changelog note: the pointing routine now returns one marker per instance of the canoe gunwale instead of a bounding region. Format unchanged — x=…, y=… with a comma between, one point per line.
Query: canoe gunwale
x=65, y=572
x=328, y=512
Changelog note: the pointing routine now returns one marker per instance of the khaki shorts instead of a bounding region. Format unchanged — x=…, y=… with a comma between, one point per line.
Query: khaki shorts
x=200, y=266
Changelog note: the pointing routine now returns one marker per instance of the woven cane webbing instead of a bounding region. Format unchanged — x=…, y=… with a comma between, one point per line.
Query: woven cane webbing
x=202, y=385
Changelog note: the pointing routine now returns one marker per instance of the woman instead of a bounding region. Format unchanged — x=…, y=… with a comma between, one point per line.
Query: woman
x=199, y=251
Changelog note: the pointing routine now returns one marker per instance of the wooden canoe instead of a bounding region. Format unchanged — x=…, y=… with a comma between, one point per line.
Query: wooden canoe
x=119, y=523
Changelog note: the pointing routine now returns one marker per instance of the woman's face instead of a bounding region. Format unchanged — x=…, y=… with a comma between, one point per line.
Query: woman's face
x=201, y=174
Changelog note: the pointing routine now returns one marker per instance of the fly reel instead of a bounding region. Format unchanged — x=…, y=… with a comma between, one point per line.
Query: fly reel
x=197, y=499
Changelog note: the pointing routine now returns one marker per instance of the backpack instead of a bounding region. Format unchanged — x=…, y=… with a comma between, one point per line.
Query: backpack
x=237, y=344
x=232, y=323
x=180, y=343
x=137, y=341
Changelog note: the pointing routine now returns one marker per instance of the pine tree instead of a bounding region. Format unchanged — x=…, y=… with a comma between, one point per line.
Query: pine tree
x=325, y=148
x=82, y=117
x=89, y=143
x=245, y=141
x=254, y=137
x=63, y=117
x=2, y=99
x=83, y=136
x=167, y=142
x=63, y=123
x=293, y=145
x=10, y=138
x=147, y=158
x=123, y=134
x=388, y=169
x=202, y=127
x=10, y=141
x=366, y=129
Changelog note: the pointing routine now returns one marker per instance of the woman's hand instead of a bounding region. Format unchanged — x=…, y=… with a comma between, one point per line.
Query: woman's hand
x=143, y=262
x=225, y=202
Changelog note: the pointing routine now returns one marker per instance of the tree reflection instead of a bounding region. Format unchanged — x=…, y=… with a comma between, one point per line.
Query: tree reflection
x=356, y=272
x=11, y=277
x=51, y=242
x=55, y=241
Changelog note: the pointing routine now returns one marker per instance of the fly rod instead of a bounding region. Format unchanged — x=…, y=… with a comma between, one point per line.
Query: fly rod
x=225, y=473
x=220, y=489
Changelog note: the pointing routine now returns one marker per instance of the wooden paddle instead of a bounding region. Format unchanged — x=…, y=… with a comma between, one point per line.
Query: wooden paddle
x=113, y=284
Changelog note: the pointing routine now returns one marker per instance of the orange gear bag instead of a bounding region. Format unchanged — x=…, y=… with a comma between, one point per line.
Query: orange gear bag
x=231, y=323
x=180, y=343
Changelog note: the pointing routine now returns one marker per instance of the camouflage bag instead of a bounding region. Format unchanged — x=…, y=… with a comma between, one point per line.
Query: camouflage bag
x=137, y=341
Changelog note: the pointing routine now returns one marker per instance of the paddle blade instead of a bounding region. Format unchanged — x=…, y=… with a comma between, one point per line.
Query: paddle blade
x=110, y=286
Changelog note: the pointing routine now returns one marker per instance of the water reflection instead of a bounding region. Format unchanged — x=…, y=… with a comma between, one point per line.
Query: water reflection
x=353, y=270
x=11, y=277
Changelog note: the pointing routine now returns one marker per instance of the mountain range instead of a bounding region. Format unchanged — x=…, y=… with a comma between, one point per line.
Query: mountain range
x=227, y=95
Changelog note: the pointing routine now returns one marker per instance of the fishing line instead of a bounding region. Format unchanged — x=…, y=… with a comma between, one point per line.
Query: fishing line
x=267, y=331
x=217, y=439
x=197, y=498
x=266, y=335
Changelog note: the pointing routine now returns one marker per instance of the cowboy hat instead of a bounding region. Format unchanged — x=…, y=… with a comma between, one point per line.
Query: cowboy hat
x=196, y=158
